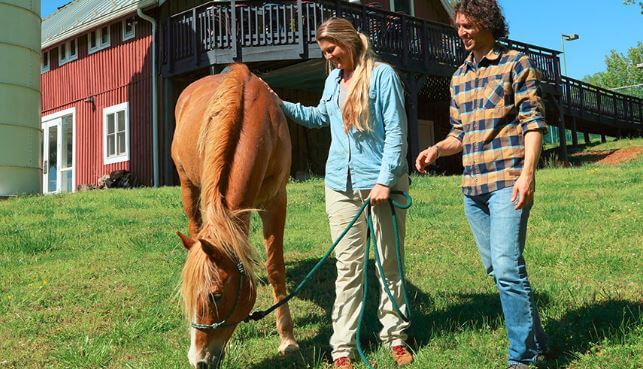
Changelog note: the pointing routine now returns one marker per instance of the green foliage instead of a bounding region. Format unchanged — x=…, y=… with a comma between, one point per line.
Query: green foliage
x=632, y=2
x=621, y=71
x=89, y=280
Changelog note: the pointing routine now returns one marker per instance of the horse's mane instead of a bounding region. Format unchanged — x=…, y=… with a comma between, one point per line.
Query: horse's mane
x=198, y=274
x=221, y=226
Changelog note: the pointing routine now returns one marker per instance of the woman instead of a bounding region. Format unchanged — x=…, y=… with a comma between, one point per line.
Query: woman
x=363, y=103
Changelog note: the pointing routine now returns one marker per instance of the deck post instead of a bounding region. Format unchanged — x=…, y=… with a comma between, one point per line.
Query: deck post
x=562, y=137
x=558, y=101
x=169, y=45
x=405, y=41
x=603, y=139
x=412, y=115
x=303, y=44
x=425, y=44
x=195, y=35
x=168, y=123
x=587, y=139
x=233, y=31
x=574, y=132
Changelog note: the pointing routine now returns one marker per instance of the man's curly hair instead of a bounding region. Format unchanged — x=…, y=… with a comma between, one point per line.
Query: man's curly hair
x=486, y=14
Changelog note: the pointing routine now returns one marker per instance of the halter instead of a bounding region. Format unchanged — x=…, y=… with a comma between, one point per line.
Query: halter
x=224, y=322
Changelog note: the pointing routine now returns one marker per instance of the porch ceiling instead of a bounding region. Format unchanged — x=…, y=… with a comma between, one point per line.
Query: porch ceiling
x=308, y=75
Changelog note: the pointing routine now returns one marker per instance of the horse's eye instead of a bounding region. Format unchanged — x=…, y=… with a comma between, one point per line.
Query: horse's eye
x=215, y=297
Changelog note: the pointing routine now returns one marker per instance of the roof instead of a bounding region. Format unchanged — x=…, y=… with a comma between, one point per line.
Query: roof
x=79, y=16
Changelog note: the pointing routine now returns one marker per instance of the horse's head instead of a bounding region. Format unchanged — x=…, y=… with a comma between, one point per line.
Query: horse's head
x=217, y=295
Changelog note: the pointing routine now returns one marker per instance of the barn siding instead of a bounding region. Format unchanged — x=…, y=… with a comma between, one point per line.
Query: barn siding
x=117, y=74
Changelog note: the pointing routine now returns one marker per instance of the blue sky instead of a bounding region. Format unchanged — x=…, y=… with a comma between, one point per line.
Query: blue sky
x=603, y=25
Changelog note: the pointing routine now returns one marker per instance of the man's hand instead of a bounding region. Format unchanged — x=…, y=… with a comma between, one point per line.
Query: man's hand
x=523, y=192
x=425, y=158
x=379, y=194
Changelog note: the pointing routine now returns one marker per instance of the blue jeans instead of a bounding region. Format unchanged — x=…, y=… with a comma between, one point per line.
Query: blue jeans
x=500, y=232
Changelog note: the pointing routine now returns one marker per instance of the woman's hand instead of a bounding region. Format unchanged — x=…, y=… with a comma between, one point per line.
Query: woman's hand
x=273, y=93
x=379, y=194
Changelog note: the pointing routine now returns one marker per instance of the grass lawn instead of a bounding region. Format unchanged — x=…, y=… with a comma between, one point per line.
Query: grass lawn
x=89, y=280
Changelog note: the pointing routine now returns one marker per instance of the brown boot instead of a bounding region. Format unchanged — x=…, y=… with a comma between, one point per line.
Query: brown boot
x=343, y=363
x=401, y=355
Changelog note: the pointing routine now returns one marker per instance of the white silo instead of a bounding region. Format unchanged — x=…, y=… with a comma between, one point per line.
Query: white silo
x=20, y=131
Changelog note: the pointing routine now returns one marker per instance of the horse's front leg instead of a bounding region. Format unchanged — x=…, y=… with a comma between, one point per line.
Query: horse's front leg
x=274, y=219
x=190, y=195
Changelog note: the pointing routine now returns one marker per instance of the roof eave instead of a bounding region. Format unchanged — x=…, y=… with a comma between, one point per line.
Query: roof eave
x=77, y=31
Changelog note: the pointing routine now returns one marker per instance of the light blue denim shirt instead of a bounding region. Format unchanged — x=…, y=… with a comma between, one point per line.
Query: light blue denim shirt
x=375, y=157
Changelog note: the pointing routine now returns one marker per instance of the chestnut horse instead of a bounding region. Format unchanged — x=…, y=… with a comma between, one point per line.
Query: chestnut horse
x=231, y=149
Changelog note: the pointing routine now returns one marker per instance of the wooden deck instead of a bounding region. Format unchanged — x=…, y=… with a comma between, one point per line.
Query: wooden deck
x=222, y=32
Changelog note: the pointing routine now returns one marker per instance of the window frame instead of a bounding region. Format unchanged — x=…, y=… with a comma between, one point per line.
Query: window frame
x=118, y=157
x=68, y=57
x=100, y=45
x=129, y=35
x=45, y=68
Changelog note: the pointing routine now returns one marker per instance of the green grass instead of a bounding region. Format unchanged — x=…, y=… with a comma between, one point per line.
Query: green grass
x=89, y=280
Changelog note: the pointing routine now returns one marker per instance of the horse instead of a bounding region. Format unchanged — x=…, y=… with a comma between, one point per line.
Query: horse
x=232, y=152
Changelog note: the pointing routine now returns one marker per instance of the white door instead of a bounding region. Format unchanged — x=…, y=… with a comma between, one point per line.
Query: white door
x=58, y=150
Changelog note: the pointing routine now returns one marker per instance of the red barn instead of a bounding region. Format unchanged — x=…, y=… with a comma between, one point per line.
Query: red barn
x=96, y=94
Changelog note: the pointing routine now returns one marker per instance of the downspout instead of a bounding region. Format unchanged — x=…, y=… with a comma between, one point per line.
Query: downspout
x=155, y=122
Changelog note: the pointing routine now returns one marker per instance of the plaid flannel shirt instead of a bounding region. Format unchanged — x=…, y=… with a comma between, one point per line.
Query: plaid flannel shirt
x=493, y=105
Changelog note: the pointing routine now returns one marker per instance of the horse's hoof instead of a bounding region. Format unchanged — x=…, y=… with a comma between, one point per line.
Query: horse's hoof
x=287, y=348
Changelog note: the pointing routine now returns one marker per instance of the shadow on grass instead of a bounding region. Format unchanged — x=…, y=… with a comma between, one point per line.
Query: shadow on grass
x=576, y=332
x=579, y=330
x=471, y=310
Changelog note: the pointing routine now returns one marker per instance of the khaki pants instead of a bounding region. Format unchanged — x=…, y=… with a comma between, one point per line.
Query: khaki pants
x=341, y=207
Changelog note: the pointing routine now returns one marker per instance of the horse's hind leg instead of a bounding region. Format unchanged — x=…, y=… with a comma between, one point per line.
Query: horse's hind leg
x=274, y=219
x=190, y=195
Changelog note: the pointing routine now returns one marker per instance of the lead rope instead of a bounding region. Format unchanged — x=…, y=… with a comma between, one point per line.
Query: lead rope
x=398, y=253
x=257, y=315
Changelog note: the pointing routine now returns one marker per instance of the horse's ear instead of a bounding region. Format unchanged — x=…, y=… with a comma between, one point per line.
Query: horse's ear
x=209, y=249
x=187, y=241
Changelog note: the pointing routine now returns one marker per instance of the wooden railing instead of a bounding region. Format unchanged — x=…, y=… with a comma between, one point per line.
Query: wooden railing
x=408, y=42
x=591, y=99
x=222, y=30
x=546, y=60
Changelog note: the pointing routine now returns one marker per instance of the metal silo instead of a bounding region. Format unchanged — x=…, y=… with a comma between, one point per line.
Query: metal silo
x=20, y=131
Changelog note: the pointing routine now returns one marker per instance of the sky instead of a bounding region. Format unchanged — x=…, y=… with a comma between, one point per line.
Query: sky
x=602, y=25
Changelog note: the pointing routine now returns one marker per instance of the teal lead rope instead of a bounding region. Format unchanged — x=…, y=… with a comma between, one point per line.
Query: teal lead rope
x=371, y=235
x=398, y=253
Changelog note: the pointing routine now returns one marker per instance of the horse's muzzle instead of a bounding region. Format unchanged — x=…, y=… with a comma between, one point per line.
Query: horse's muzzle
x=213, y=361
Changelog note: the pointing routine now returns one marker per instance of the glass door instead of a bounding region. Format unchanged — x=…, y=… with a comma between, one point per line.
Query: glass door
x=50, y=156
x=58, y=170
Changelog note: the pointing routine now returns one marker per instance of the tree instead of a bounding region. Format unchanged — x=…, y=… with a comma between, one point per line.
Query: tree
x=622, y=71
x=632, y=2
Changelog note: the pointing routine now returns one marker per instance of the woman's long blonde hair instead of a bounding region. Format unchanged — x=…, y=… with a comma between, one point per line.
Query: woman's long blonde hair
x=356, y=108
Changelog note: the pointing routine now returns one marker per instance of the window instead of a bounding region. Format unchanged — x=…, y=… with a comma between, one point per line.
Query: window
x=98, y=39
x=44, y=62
x=116, y=134
x=129, y=28
x=68, y=52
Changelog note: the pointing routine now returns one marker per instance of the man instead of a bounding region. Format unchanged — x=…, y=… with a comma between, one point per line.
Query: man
x=497, y=118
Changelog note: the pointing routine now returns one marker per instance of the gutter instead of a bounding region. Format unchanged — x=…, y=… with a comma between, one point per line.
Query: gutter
x=155, y=123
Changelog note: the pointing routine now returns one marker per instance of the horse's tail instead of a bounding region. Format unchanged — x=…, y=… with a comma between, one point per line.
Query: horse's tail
x=216, y=145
